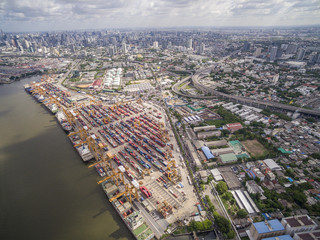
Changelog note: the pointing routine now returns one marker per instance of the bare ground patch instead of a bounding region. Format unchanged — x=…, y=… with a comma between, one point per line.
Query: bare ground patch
x=254, y=148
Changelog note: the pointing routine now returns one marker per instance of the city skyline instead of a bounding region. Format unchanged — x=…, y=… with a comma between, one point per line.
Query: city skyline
x=53, y=15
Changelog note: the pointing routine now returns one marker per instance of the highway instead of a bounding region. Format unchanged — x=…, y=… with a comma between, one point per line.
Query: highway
x=238, y=99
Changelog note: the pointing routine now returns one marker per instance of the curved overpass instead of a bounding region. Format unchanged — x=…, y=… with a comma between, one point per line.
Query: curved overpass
x=243, y=100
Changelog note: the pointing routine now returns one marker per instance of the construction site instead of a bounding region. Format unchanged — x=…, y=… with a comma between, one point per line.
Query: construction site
x=132, y=147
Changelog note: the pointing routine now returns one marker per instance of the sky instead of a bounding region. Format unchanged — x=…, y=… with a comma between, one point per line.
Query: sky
x=52, y=15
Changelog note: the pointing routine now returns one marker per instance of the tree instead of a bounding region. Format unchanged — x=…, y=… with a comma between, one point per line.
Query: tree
x=227, y=196
x=242, y=213
x=223, y=223
x=299, y=197
x=221, y=187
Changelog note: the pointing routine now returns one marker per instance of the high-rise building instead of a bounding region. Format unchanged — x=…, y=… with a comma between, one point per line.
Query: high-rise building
x=246, y=46
x=202, y=48
x=301, y=54
x=292, y=49
x=189, y=45
x=257, y=53
x=155, y=44
x=273, y=53
x=313, y=58
x=124, y=48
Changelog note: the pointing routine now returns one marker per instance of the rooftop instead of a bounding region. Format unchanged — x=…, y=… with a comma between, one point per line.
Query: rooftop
x=282, y=237
x=229, y=157
x=207, y=152
x=268, y=226
x=297, y=221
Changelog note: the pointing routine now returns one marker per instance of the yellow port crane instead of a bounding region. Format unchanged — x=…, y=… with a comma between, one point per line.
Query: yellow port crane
x=70, y=118
x=130, y=193
x=165, y=209
x=117, y=196
x=116, y=176
x=104, y=159
x=173, y=175
x=81, y=132
x=145, y=172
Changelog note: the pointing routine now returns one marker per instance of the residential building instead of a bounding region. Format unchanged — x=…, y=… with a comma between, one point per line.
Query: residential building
x=282, y=237
x=266, y=229
x=296, y=224
x=314, y=235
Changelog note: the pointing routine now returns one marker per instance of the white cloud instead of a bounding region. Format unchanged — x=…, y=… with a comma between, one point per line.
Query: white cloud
x=19, y=15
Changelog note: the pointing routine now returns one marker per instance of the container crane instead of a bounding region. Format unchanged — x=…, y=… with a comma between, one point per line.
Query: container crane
x=172, y=172
x=144, y=172
x=116, y=176
x=130, y=193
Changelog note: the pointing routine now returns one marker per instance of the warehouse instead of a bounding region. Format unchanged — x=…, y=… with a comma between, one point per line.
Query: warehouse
x=202, y=135
x=232, y=127
x=207, y=152
x=272, y=164
x=216, y=174
x=204, y=128
x=219, y=143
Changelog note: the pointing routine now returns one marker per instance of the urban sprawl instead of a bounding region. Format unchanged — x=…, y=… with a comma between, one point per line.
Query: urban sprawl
x=190, y=130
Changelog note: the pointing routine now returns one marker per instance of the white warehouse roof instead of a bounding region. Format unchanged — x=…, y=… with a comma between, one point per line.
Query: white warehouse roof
x=272, y=164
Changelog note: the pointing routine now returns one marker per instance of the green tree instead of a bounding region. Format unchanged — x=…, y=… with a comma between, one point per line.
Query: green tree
x=299, y=197
x=227, y=196
x=221, y=187
x=242, y=213
x=223, y=223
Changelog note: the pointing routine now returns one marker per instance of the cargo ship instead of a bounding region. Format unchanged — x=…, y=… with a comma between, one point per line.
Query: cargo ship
x=63, y=122
x=28, y=88
x=82, y=148
x=52, y=107
x=40, y=98
x=100, y=170
x=128, y=213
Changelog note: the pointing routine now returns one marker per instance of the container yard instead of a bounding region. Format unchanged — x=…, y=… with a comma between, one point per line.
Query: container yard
x=131, y=147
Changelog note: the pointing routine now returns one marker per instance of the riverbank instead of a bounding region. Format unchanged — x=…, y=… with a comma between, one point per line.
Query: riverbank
x=46, y=189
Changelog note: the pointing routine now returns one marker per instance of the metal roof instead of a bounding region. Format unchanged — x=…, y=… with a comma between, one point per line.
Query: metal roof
x=207, y=152
x=272, y=164
x=272, y=226
x=282, y=237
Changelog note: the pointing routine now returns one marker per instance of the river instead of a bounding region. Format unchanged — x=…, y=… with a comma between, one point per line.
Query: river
x=46, y=191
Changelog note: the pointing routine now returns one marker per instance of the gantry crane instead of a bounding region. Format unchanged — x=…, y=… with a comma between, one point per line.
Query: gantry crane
x=106, y=159
x=130, y=192
x=164, y=208
x=81, y=132
x=173, y=175
x=116, y=176
x=70, y=118
x=144, y=172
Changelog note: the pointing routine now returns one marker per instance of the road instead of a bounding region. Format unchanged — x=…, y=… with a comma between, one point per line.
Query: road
x=243, y=100
x=155, y=227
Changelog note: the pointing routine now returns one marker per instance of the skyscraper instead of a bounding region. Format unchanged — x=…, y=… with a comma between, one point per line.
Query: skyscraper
x=246, y=46
x=301, y=54
x=124, y=48
x=273, y=53
x=257, y=53
x=202, y=48
x=155, y=44
x=189, y=45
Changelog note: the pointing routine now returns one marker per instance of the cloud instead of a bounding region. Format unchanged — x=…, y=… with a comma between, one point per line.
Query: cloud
x=19, y=15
